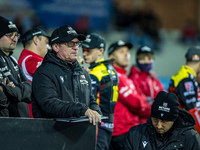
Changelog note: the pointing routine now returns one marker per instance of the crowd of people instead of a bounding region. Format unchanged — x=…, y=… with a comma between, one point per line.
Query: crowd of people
x=48, y=81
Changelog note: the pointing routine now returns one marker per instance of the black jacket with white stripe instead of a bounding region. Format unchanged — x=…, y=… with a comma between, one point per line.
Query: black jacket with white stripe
x=17, y=96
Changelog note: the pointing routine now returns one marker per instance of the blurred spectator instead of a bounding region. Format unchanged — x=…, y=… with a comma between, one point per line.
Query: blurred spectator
x=138, y=37
x=123, y=15
x=144, y=30
x=189, y=33
x=19, y=21
x=131, y=104
x=35, y=22
x=82, y=25
x=142, y=76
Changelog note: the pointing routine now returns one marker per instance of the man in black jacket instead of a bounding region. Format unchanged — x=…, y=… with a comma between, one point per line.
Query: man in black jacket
x=15, y=86
x=167, y=128
x=61, y=87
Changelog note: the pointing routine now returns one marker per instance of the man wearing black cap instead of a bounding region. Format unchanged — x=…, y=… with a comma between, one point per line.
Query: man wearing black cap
x=131, y=103
x=104, y=85
x=141, y=75
x=167, y=128
x=36, y=45
x=184, y=84
x=19, y=93
x=61, y=88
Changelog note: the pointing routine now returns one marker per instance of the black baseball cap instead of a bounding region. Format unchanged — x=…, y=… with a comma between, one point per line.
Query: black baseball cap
x=65, y=34
x=144, y=49
x=117, y=44
x=193, y=54
x=28, y=35
x=6, y=26
x=94, y=40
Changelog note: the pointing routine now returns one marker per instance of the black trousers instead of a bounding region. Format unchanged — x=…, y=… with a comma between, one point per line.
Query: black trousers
x=103, y=139
x=117, y=142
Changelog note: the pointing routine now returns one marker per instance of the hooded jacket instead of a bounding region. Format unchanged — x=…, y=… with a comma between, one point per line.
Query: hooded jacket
x=181, y=137
x=61, y=90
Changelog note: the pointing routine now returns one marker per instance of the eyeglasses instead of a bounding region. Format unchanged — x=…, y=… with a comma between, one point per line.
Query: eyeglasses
x=72, y=44
x=13, y=35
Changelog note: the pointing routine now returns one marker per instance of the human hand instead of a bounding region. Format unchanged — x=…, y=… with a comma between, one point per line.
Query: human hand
x=93, y=116
x=80, y=60
x=9, y=83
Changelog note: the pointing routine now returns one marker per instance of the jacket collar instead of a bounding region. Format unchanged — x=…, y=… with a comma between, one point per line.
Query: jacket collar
x=120, y=70
x=189, y=69
x=3, y=54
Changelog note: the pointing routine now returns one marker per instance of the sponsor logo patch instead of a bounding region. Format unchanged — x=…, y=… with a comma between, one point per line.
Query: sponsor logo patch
x=189, y=86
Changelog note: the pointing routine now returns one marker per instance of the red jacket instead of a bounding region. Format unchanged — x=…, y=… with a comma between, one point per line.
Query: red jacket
x=29, y=62
x=147, y=84
x=130, y=105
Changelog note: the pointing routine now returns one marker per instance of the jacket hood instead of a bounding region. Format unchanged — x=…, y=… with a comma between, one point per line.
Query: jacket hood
x=185, y=119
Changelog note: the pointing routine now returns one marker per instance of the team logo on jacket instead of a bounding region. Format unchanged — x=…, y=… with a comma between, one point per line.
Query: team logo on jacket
x=189, y=86
x=83, y=80
x=144, y=143
x=83, y=76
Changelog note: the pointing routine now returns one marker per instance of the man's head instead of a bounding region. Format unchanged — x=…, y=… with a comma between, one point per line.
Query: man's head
x=120, y=51
x=66, y=42
x=93, y=48
x=8, y=35
x=144, y=58
x=192, y=57
x=36, y=40
x=164, y=111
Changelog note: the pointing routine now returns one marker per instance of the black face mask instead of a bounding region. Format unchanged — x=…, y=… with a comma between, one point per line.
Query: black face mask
x=144, y=67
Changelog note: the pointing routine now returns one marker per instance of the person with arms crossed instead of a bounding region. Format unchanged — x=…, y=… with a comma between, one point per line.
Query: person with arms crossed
x=185, y=86
x=19, y=93
x=61, y=88
x=36, y=45
x=104, y=85
x=131, y=105
x=168, y=128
